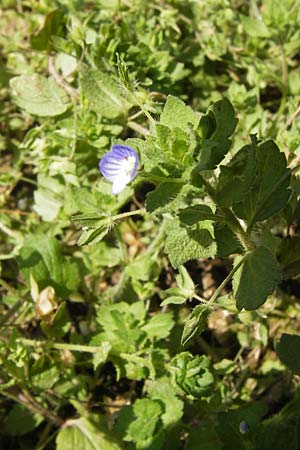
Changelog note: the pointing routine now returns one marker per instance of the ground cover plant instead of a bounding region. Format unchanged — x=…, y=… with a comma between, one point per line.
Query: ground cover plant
x=149, y=222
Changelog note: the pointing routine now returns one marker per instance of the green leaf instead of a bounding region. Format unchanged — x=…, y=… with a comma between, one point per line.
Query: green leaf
x=42, y=256
x=195, y=323
x=193, y=374
x=177, y=114
x=163, y=198
x=45, y=378
x=93, y=236
x=53, y=25
x=39, y=95
x=60, y=323
x=100, y=357
x=236, y=178
x=159, y=325
x=270, y=189
x=86, y=434
x=289, y=256
x=185, y=282
x=163, y=391
x=222, y=122
x=103, y=93
x=49, y=197
x=225, y=119
x=194, y=214
x=183, y=244
x=227, y=242
x=20, y=421
x=89, y=219
x=287, y=348
x=255, y=27
x=173, y=300
x=204, y=438
x=147, y=417
x=255, y=279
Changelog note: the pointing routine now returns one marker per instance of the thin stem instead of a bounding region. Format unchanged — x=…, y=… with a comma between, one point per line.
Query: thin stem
x=74, y=137
x=128, y=214
x=145, y=111
x=138, y=128
x=121, y=244
x=200, y=299
x=62, y=346
x=224, y=282
x=30, y=403
x=232, y=221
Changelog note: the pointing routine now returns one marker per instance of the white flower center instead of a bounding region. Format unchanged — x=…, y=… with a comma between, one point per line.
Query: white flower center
x=128, y=165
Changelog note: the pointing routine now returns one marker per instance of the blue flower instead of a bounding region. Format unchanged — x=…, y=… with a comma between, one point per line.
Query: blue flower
x=119, y=166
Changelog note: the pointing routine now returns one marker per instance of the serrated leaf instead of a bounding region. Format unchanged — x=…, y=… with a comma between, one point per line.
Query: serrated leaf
x=163, y=391
x=269, y=192
x=159, y=325
x=103, y=93
x=162, y=199
x=236, y=178
x=86, y=434
x=195, y=323
x=177, y=114
x=255, y=279
x=183, y=244
x=287, y=348
x=39, y=95
x=193, y=374
x=193, y=214
x=142, y=430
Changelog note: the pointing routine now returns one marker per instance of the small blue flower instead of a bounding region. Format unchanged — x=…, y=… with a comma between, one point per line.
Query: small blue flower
x=119, y=166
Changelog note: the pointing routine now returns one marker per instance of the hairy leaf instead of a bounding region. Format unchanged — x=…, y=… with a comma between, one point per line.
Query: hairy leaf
x=255, y=279
x=39, y=95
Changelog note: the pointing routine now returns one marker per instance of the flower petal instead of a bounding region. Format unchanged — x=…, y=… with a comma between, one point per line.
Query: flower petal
x=120, y=166
x=118, y=186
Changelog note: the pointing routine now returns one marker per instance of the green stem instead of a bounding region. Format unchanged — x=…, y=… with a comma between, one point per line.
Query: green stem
x=126, y=214
x=145, y=111
x=121, y=244
x=232, y=221
x=62, y=346
x=30, y=403
x=224, y=282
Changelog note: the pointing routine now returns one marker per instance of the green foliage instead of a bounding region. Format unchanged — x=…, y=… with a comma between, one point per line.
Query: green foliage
x=195, y=323
x=88, y=433
x=287, y=350
x=39, y=95
x=255, y=279
x=192, y=374
x=100, y=292
x=183, y=244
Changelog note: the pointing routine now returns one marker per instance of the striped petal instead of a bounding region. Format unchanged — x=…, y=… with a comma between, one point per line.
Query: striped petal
x=120, y=166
